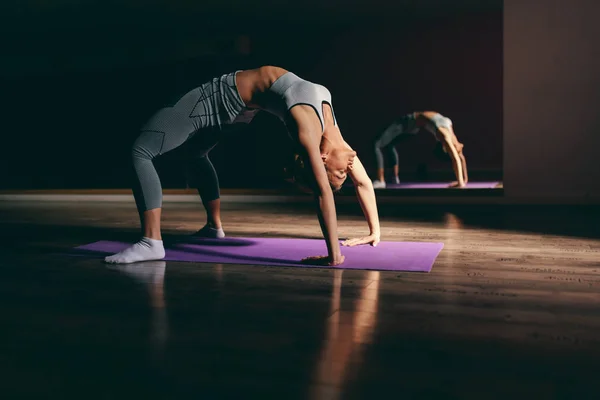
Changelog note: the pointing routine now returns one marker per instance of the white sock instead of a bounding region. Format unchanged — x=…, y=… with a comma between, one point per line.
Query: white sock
x=145, y=250
x=397, y=180
x=210, y=232
x=378, y=184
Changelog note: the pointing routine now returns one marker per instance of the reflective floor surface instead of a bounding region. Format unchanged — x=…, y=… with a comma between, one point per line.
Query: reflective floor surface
x=511, y=309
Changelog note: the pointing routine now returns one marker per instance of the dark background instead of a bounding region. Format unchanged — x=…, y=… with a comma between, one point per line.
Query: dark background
x=79, y=78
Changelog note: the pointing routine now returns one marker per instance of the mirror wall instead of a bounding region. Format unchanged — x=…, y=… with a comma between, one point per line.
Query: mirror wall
x=79, y=81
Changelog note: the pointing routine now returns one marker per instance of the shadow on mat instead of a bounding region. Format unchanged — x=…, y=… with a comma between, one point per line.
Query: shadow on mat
x=258, y=260
x=225, y=242
x=203, y=252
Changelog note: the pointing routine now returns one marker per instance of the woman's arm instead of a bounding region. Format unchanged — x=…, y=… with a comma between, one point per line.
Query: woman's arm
x=323, y=196
x=368, y=203
x=464, y=167
x=446, y=138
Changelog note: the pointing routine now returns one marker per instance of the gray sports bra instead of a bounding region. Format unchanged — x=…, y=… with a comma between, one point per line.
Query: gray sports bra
x=290, y=90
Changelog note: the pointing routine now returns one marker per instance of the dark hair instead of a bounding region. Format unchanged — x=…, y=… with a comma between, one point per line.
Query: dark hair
x=296, y=174
x=335, y=189
x=439, y=152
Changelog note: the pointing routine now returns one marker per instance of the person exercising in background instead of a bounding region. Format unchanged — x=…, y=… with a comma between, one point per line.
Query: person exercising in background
x=198, y=119
x=447, y=144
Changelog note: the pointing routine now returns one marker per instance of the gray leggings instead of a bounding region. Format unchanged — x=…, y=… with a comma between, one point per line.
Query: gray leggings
x=405, y=125
x=166, y=131
x=198, y=118
x=385, y=142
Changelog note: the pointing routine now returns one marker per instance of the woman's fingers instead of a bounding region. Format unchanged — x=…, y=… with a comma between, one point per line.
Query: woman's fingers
x=355, y=242
x=374, y=241
x=319, y=260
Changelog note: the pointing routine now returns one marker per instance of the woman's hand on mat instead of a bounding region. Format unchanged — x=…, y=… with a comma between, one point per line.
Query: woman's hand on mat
x=456, y=185
x=324, y=260
x=373, y=239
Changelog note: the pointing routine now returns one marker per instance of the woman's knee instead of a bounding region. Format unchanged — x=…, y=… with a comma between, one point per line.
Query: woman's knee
x=147, y=146
x=378, y=146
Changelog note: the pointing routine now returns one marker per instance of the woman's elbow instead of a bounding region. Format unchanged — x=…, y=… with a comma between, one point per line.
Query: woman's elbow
x=363, y=183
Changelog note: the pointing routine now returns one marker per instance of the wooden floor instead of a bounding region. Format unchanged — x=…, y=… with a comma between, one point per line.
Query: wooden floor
x=510, y=310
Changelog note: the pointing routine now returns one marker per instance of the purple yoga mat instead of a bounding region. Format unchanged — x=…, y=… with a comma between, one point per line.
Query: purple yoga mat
x=387, y=256
x=439, y=185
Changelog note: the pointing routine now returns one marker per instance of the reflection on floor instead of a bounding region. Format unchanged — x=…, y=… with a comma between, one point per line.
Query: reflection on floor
x=510, y=309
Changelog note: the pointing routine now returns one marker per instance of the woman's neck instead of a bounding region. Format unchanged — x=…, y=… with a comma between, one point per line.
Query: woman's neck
x=332, y=139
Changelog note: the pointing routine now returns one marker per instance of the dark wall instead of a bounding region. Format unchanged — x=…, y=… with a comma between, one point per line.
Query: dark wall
x=78, y=80
x=551, y=99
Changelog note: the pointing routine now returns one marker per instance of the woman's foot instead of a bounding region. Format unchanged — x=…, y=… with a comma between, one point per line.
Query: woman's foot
x=397, y=180
x=145, y=250
x=210, y=232
x=378, y=184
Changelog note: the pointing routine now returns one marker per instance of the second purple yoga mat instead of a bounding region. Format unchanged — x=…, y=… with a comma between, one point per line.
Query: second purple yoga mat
x=387, y=256
x=439, y=185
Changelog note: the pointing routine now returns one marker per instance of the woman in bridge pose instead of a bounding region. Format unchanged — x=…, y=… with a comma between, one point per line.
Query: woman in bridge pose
x=198, y=118
x=447, y=146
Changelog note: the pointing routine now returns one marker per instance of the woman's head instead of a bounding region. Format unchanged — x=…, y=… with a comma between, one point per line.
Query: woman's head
x=338, y=162
x=442, y=152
